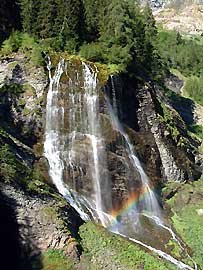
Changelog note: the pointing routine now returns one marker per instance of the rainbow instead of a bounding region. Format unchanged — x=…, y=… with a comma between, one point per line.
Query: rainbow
x=130, y=203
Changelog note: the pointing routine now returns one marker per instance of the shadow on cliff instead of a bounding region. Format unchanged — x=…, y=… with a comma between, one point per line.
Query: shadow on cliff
x=12, y=255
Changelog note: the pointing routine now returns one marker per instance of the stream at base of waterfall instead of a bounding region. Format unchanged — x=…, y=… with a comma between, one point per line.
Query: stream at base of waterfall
x=78, y=160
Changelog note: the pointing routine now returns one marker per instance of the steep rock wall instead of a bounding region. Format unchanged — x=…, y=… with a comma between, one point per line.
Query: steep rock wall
x=160, y=135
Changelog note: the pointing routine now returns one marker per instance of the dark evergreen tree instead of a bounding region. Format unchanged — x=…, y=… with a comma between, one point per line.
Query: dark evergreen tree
x=94, y=13
x=69, y=23
x=44, y=23
x=152, y=60
x=26, y=14
x=123, y=33
x=9, y=18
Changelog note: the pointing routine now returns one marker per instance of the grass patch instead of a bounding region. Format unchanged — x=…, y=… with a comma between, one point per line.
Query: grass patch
x=55, y=260
x=186, y=205
x=100, y=246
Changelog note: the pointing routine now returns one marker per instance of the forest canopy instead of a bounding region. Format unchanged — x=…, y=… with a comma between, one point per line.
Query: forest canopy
x=116, y=32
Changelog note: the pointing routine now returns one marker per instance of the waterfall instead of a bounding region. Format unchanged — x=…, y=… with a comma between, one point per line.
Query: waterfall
x=52, y=144
x=76, y=149
x=94, y=134
x=80, y=116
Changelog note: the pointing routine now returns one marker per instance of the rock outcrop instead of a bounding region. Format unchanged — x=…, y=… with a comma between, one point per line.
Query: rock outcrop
x=22, y=93
x=42, y=223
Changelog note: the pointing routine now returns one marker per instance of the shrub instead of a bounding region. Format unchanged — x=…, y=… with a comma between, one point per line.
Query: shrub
x=12, y=44
x=197, y=129
x=92, y=52
x=27, y=42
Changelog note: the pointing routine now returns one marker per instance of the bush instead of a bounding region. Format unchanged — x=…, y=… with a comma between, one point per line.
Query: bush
x=92, y=52
x=27, y=42
x=197, y=129
x=12, y=44
x=22, y=42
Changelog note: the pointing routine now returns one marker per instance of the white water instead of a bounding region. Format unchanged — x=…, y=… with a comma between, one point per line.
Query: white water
x=52, y=144
x=94, y=134
x=82, y=119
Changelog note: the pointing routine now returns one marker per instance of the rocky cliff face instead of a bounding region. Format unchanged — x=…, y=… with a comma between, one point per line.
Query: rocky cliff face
x=183, y=16
x=159, y=134
x=156, y=130
x=158, y=4
x=39, y=223
x=22, y=98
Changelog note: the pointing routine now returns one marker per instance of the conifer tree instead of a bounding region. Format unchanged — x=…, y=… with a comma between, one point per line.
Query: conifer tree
x=45, y=19
x=26, y=14
x=68, y=23
x=9, y=18
x=151, y=56
x=123, y=32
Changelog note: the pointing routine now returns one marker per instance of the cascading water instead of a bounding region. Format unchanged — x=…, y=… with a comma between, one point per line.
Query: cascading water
x=75, y=147
x=80, y=117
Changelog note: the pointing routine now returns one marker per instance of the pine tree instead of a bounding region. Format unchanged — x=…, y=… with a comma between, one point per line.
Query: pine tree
x=151, y=59
x=94, y=12
x=9, y=18
x=45, y=19
x=122, y=32
x=150, y=24
x=69, y=23
x=26, y=14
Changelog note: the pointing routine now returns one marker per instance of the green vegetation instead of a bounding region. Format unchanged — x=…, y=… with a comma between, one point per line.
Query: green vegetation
x=119, y=33
x=182, y=53
x=96, y=242
x=169, y=121
x=171, y=118
x=14, y=169
x=187, y=208
x=8, y=165
x=12, y=89
x=194, y=89
x=53, y=259
x=24, y=43
x=197, y=130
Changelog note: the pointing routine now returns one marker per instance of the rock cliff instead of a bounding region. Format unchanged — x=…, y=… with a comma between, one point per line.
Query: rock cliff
x=158, y=133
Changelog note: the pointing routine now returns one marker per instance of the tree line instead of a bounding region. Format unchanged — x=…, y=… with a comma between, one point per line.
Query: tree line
x=117, y=32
